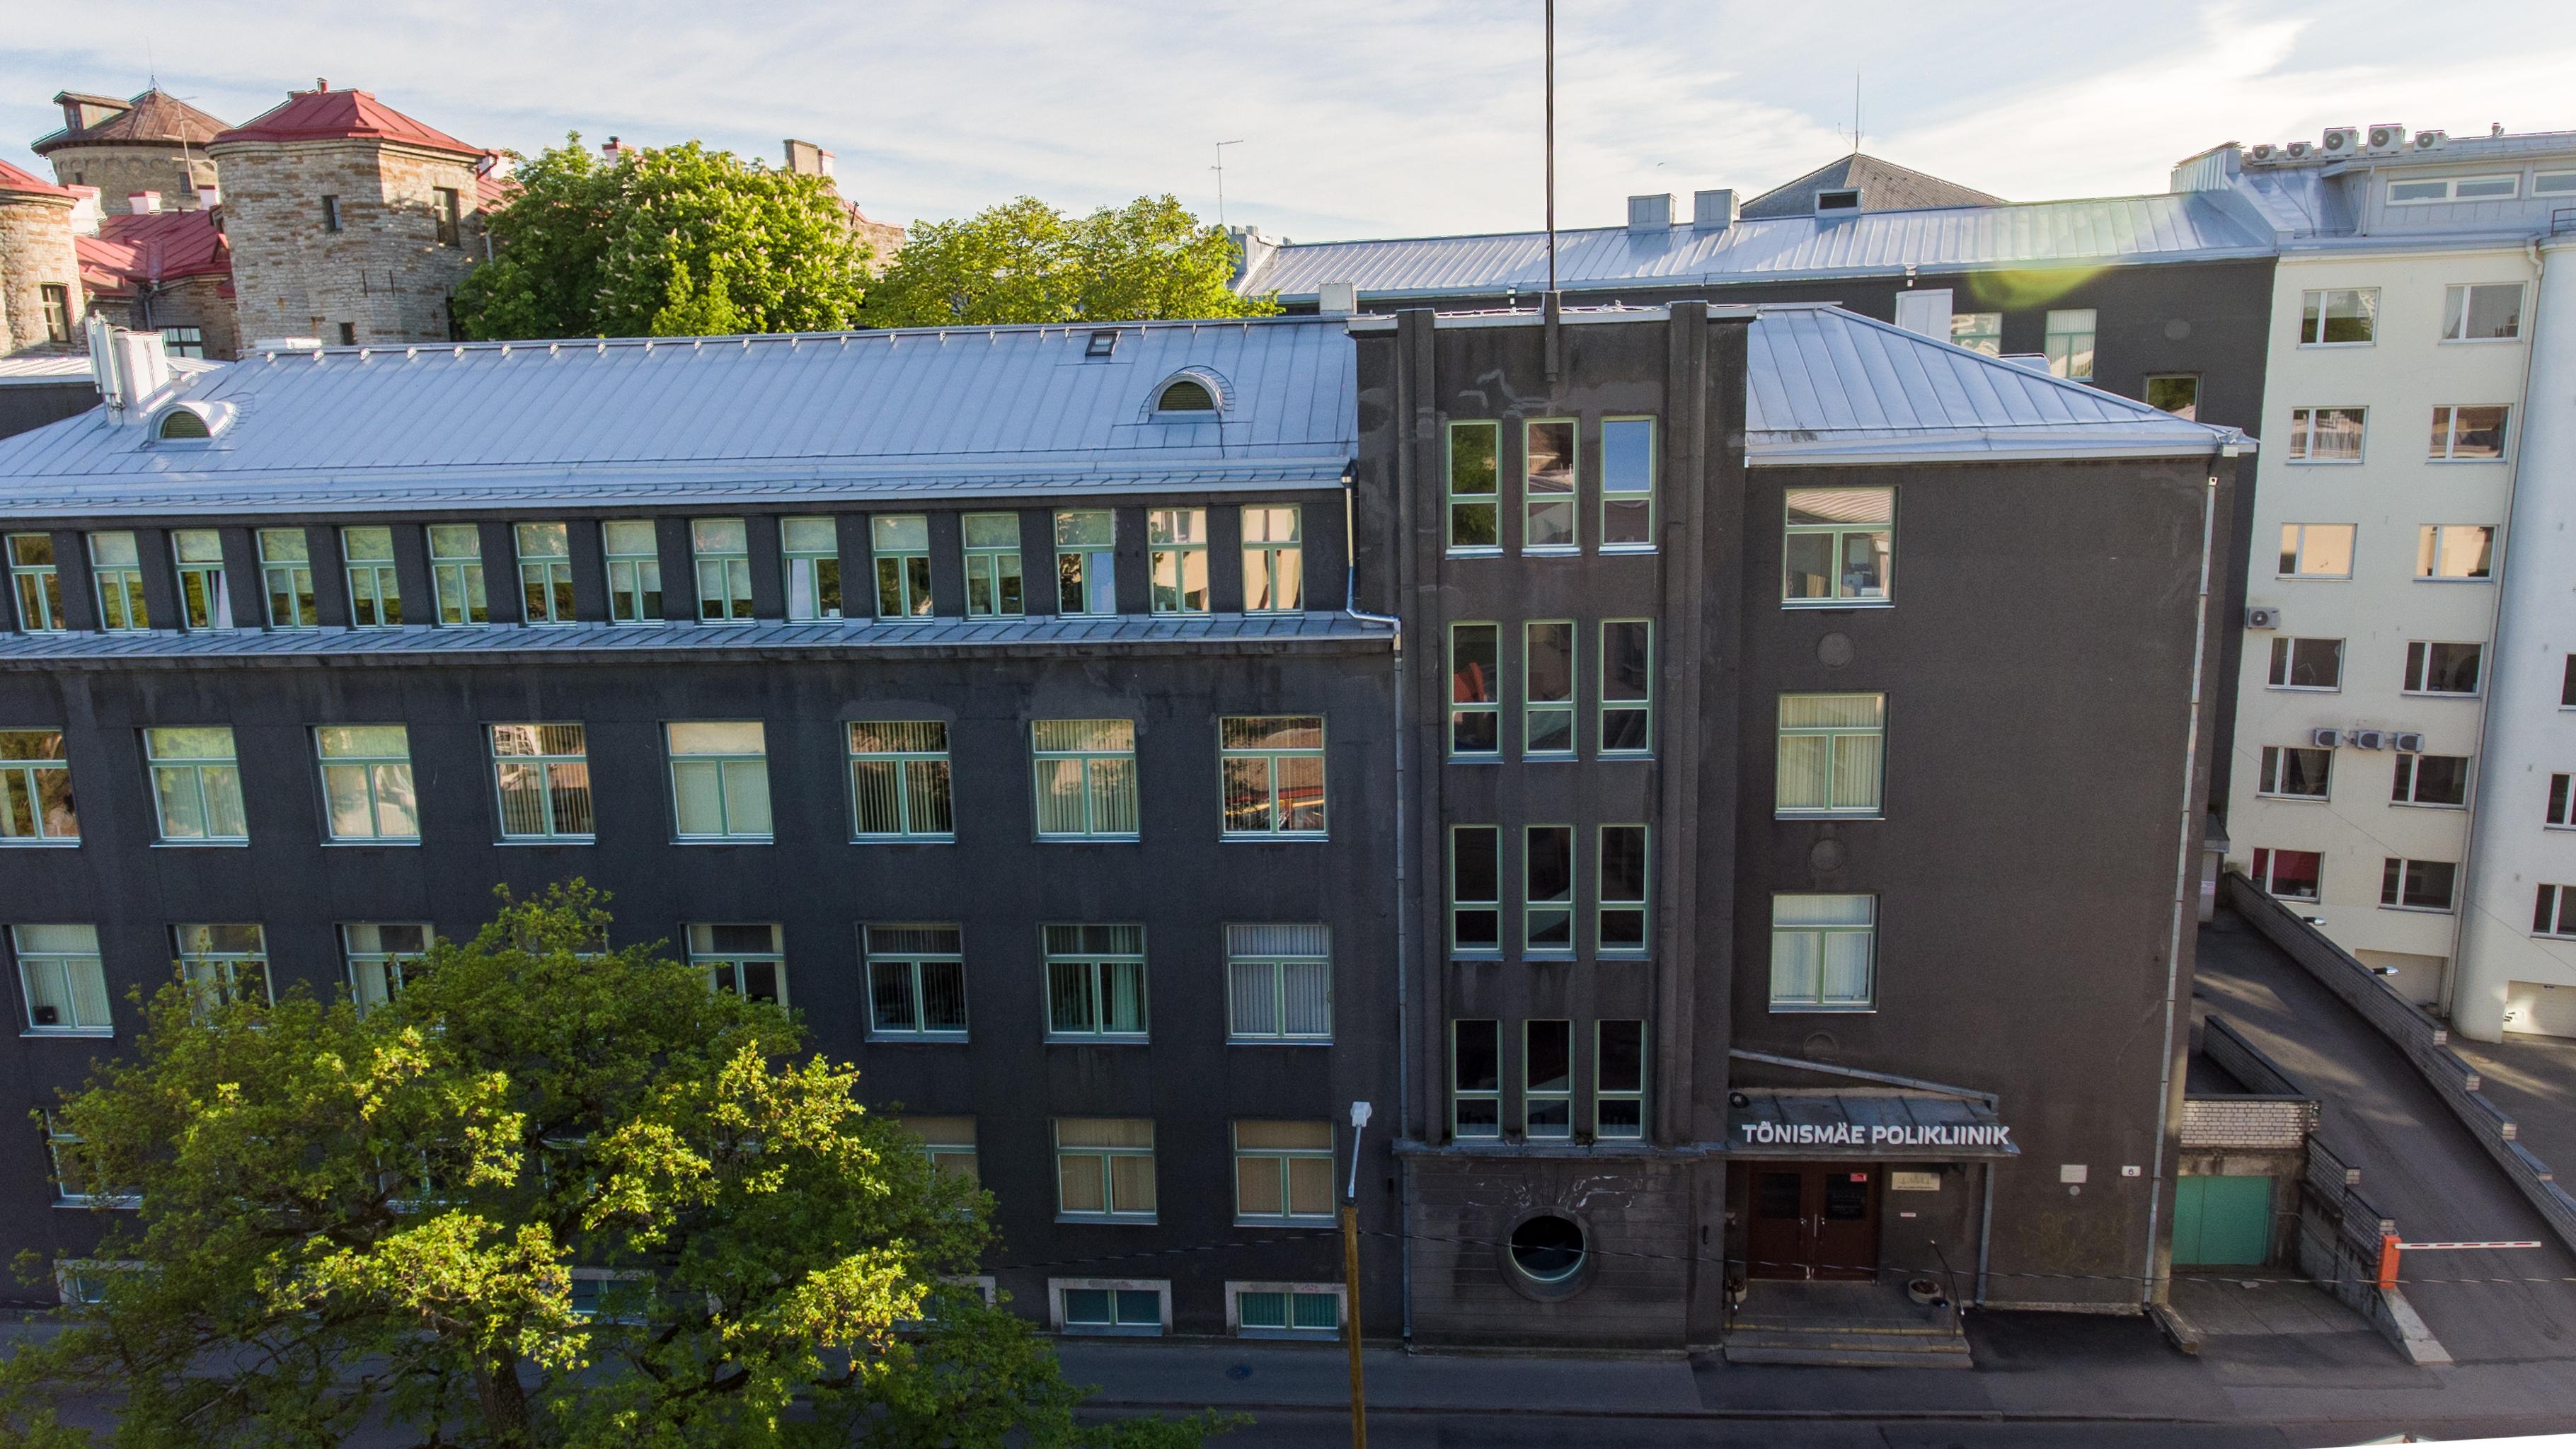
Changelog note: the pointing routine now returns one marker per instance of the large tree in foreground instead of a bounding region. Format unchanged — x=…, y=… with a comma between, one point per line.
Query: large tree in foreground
x=1025, y=261
x=675, y=242
x=551, y=1195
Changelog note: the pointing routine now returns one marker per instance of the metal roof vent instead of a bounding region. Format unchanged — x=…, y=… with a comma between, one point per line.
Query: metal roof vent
x=1650, y=213
x=1837, y=199
x=1714, y=210
x=1337, y=299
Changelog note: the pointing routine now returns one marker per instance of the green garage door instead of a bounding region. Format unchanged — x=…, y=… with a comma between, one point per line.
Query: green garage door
x=2222, y=1221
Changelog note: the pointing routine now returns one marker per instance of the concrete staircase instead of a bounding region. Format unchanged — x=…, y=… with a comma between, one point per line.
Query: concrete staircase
x=1844, y=1325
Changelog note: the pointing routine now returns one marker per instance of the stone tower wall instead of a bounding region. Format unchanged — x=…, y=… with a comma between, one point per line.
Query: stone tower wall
x=36, y=250
x=120, y=171
x=384, y=274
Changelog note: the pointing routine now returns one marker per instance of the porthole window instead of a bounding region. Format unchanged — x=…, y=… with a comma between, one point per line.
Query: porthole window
x=181, y=423
x=1548, y=1248
x=1185, y=395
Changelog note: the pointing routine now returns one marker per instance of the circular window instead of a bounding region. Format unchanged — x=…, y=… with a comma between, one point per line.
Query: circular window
x=1548, y=1248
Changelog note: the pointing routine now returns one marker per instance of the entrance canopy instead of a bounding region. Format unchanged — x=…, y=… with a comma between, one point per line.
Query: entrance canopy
x=1867, y=1122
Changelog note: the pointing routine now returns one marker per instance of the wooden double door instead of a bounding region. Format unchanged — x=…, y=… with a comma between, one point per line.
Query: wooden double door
x=1813, y=1220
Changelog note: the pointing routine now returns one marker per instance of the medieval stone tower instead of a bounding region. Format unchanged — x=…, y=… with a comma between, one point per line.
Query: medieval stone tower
x=40, y=286
x=154, y=142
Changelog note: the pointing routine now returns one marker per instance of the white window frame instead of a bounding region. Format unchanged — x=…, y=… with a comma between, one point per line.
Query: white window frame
x=907, y=763
x=457, y=582
x=546, y=759
x=880, y=951
x=545, y=579
x=2268, y=779
x=2446, y=416
x=1249, y=968
x=2294, y=551
x=2510, y=181
x=2459, y=298
x=2302, y=448
x=2433, y=553
x=22, y=782
x=1058, y=1287
x=1236, y=1289
x=169, y=771
x=2368, y=309
x=2560, y=813
x=2263, y=870
x=722, y=762
x=2406, y=782
x=2285, y=659
x=2553, y=913
x=2405, y=877
x=384, y=775
x=1273, y=761
x=2419, y=669
x=67, y=970
x=1095, y=793
x=1288, y=1216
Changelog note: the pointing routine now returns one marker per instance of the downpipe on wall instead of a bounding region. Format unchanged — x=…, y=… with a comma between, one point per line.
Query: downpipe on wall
x=1403, y=1029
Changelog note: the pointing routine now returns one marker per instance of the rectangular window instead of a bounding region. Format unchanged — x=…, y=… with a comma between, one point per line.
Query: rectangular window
x=2553, y=911
x=1548, y=477
x=2441, y=780
x=2484, y=313
x=1620, y=926
x=184, y=341
x=2454, y=551
x=196, y=785
x=2307, y=664
x=1978, y=332
x=56, y=299
x=1283, y=1172
x=899, y=780
x=1475, y=888
x=1104, y=1169
x=1086, y=778
x=2069, y=343
x=1475, y=521
x=75, y=1183
x=722, y=549
x=916, y=982
x=366, y=782
x=2296, y=773
x=1476, y=1079
x=1475, y=691
x=36, y=790
x=1619, y=1080
x=1274, y=560
x=1086, y=567
x=1547, y=881
x=204, y=602
x=1273, y=768
x=1279, y=983
x=1177, y=560
x=38, y=584
x=2327, y=435
x=2562, y=808
x=223, y=965
x=2439, y=668
x=2416, y=885
x=116, y=565
x=1095, y=979
x=1823, y=952
x=60, y=975
x=375, y=954
x=1547, y=679
x=1122, y=1312
x=286, y=570
x=1627, y=485
x=2177, y=393
x=545, y=572
x=348, y=334
x=542, y=774
x=451, y=214
x=1839, y=545
x=456, y=573
x=2289, y=875
x=2338, y=317
x=746, y=960
x=330, y=213
x=812, y=550
x=2463, y=434
x=1833, y=750
x=949, y=1143
x=1547, y=1078
x=901, y=545
x=1288, y=1310
x=719, y=779
x=1627, y=687
x=634, y=558
x=993, y=581
x=2454, y=188
x=375, y=595
x=2316, y=551
x=2554, y=183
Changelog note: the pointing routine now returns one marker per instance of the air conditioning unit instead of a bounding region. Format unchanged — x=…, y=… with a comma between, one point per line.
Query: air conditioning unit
x=2263, y=151
x=2298, y=150
x=2367, y=739
x=2431, y=140
x=2407, y=742
x=2263, y=616
x=2340, y=141
x=2385, y=139
x=2325, y=739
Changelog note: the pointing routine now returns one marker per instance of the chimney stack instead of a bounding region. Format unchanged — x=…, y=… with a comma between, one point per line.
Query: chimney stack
x=144, y=203
x=804, y=158
x=1650, y=213
x=1714, y=210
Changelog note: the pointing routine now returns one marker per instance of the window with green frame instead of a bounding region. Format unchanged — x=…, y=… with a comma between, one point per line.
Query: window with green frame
x=116, y=568
x=634, y=558
x=901, y=545
x=375, y=592
x=1620, y=907
x=456, y=573
x=721, y=548
x=204, y=602
x=1288, y=1310
x=1627, y=687
x=1619, y=1079
x=994, y=585
x=286, y=569
x=1475, y=888
x=1105, y=1167
x=1095, y=982
x=38, y=582
x=1838, y=545
x=899, y=780
x=1550, y=474
x=545, y=572
x=1833, y=750
x=719, y=779
x=1475, y=1079
x=1547, y=1078
x=1547, y=683
x=1475, y=691
x=1274, y=775
x=1475, y=505
x=811, y=550
x=1283, y=1172
x=1823, y=952
x=1627, y=485
x=1547, y=896
x=1176, y=560
x=1086, y=778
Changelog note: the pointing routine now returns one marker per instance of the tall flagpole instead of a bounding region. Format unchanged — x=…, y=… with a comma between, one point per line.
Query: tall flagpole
x=1551, y=147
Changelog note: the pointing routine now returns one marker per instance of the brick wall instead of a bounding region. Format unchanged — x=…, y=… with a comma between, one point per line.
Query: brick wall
x=384, y=274
x=120, y=171
x=36, y=250
x=2247, y=1123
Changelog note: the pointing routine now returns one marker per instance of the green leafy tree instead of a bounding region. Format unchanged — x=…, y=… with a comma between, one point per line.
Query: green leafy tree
x=673, y=242
x=1025, y=261
x=551, y=1195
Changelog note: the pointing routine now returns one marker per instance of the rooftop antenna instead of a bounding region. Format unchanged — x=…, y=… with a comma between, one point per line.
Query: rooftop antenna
x=1219, y=169
x=1855, y=125
x=1551, y=305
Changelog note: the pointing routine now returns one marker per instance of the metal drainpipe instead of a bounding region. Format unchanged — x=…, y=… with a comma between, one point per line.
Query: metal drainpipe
x=1403, y=1030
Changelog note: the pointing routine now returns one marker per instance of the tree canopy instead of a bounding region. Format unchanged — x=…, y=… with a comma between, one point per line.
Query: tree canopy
x=550, y=1195
x=1025, y=261
x=672, y=242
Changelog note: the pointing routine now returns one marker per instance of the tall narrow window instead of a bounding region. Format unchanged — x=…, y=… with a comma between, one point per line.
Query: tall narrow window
x=2289, y=875
x=286, y=569
x=2468, y=434
x=1627, y=485
x=1621, y=926
x=1839, y=547
x=376, y=954
x=116, y=567
x=542, y=772
x=1475, y=524
x=1619, y=1080
x=899, y=780
x=545, y=572
x=196, y=785
x=634, y=558
x=62, y=980
x=916, y=982
x=2316, y=551
x=1475, y=888
x=375, y=594
x=1548, y=477
x=722, y=549
x=456, y=573
x=2437, y=780
x=330, y=213
x=2338, y=317
x=746, y=960
x=2433, y=667
x=2069, y=342
x=812, y=547
x=1833, y=749
x=901, y=544
x=1283, y=1172
x=1279, y=983
x=204, y=602
x=1547, y=676
x=1547, y=1078
x=1086, y=569
x=451, y=214
x=366, y=782
x=1274, y=775
x=38, y=584
x=55, y=299
x=2417, y=885
x=1627, y=687
x=1095, y=977
x=2454, y=551
x=1086, y=778
x=1823, y=952
x=1475, y=1079
x=2328, y=435
x=993, y=581
x=1475, y=691
x=1547, y=879
x=1104, y=1170
x=36, y=790
x=719, y=779
x=1177, y=559
x=223, y=965
x=1274, y=560
x=2306, y=664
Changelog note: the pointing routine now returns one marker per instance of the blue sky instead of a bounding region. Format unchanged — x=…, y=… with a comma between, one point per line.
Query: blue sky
x=1357, y=117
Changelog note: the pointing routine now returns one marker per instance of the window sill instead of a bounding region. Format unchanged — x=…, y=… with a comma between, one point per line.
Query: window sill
x=1090, y=1038
x=547, y=840
x=2312, y=578
x=1495, y=758
x=92, y=1033
x=2438, y=694
x=1089, y=839
x=1828, y=815
x=242, y=843
x=1123, y=1220
x=1456, y=552
x=884, y=619
x=46, y=843
x=995, y=618
x=1289, y=1335
x=2326, y=346
x=917, y=1038
x=1533, y=955
x=1187, y=613
x=2293, y=900
x=1079, y=1330
x=1553, y=550
x=1277, y=837
x=2296, y=799
x=2430, y=805
x=404, y=842
x=1285, y=1222
x=1837, y=603
x=2311, y=689
x=2480, y=341
x=903, y=839
x=2450, y=461
x=1806, y=1008
x=1627, y=548
x=1623, y=954
x=1475, y=953
x=724, y=840
x=1279, y=1041
x=2417, y=910
x=1550, y=757
x=2322, y=462
x=2449, y=579
x=2559, y=825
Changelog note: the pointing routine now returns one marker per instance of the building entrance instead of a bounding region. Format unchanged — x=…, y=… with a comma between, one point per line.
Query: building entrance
x=1813, y=1220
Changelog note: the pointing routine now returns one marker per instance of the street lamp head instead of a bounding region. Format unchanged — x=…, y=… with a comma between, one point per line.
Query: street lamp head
x=1359, y=1114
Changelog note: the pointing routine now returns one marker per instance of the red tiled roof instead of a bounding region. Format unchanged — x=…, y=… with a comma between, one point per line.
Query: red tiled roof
x=150, y=119
x=322, y=115
x=158, y=246
x=14, y=180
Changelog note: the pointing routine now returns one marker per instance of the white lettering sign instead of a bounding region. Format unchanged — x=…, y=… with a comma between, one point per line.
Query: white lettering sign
x=1852, y=1134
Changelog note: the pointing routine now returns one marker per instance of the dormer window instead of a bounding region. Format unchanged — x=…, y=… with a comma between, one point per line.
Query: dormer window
x=1185, y=395
x=188, y=424
x=1845, y=198
x=1102, y=344
x=181, y=423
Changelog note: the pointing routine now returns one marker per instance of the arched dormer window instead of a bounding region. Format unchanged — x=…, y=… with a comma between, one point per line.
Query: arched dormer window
x=181, y=423
x=1185, y=395
x=1191, y=395
x=187, y=424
